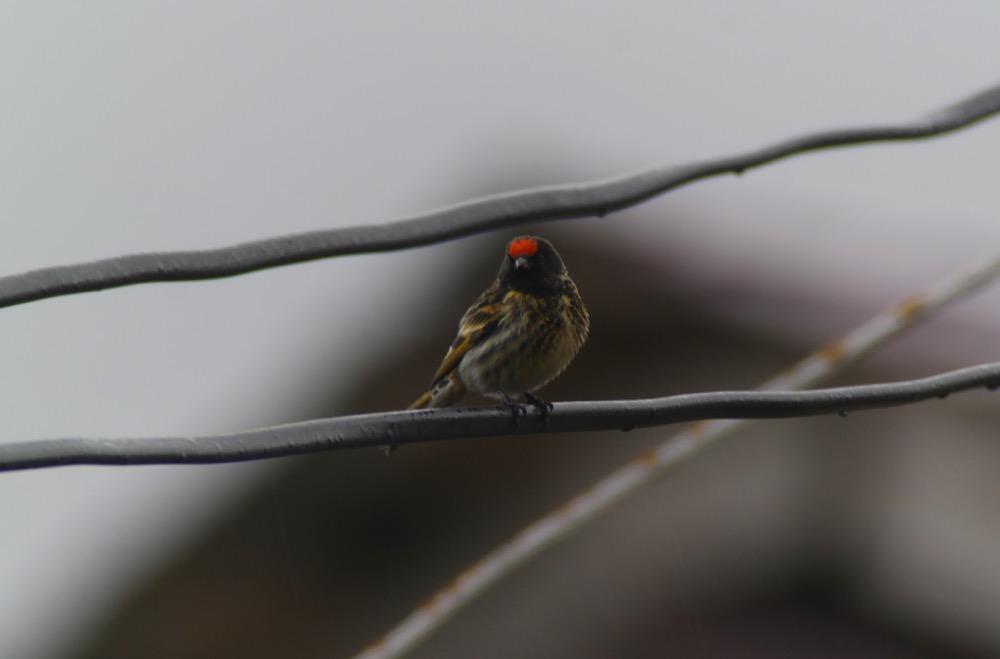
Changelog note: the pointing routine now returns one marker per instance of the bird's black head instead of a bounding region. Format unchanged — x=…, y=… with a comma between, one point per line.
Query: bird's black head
x=532, y=265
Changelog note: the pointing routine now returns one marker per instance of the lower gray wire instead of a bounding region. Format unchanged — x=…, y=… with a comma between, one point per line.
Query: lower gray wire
x=369, y=430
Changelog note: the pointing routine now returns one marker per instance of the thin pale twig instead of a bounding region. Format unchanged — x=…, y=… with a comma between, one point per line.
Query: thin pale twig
x=555, y=526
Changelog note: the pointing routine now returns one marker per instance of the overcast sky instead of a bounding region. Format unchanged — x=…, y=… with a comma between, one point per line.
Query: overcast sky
x=141, y=126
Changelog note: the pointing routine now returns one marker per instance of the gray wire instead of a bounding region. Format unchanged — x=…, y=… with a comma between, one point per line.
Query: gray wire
x=541, y=204
x=370, y=430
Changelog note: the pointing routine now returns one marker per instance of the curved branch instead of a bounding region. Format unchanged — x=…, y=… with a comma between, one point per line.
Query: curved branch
x=541, y=204
x=621, y=483
x=369, y=430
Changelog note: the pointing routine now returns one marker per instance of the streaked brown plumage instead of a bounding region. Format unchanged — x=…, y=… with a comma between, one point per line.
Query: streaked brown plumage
x=520, y=334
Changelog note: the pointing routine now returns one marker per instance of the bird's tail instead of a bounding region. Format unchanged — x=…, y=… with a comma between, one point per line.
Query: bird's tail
x=423, y=401
x=445, y=391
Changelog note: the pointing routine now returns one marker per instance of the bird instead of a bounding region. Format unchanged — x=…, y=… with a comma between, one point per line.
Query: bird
x=519, y=334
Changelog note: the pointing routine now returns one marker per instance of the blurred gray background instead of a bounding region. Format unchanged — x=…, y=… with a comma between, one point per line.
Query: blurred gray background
x=142, y=126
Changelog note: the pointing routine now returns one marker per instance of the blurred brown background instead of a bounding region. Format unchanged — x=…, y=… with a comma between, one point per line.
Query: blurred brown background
x=141, y=126
x=874, y=535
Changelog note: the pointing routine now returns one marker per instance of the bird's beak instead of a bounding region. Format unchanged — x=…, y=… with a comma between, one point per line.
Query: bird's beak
x=520, y=263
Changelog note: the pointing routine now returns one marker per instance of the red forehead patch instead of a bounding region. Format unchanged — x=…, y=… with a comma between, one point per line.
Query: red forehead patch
x=522, y=247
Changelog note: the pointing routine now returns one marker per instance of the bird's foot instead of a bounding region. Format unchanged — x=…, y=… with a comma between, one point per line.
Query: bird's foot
x=515, y=407
x=543, y=406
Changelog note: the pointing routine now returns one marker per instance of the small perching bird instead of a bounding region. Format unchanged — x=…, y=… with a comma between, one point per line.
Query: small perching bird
x=521, y=333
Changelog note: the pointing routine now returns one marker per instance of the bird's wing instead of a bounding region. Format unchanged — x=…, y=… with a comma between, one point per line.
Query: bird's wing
x=481, y=319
